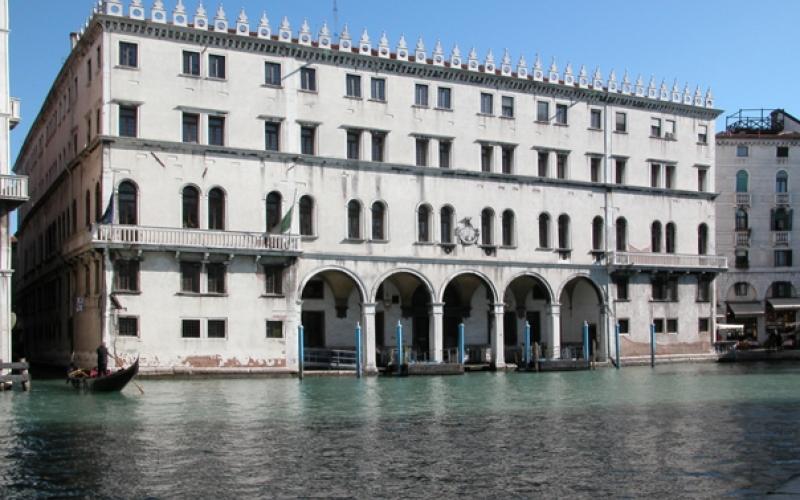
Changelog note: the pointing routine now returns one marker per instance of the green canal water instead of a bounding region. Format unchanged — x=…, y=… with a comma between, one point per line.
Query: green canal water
x=701, y=430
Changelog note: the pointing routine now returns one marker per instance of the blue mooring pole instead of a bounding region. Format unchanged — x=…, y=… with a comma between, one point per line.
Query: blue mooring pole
x=616, y=343
x=527, y=357
x=300, y=352
x=461, y=344
x=358, y=350
x=652, y=344
x=399, y=348
x=586, y=340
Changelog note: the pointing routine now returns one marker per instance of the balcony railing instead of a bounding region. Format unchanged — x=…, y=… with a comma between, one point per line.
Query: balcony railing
x=781, y=238
x=195, y=239
x=13, y=189
x=783, y=198
x=742, y=238
x=743, y=199
x=668, y=260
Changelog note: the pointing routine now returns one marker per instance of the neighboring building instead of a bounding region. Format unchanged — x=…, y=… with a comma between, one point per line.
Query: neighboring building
x=261, y=180
x=13, y=188
x=758, y=156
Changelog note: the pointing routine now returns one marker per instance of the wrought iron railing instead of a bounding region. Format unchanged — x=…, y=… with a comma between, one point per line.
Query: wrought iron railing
x=781, y=238
x=783, y=198
x=743, y=199
x=742, y=238
x=14, y=187
x=330, y=358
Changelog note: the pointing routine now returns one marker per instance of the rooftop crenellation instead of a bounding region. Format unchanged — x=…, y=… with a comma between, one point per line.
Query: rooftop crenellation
x=219, y=22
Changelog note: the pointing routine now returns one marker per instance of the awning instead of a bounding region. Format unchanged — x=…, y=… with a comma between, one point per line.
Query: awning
x=784, y=304
x=747, y=308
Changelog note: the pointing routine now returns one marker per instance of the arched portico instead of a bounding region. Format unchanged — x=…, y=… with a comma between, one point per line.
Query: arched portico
x=528, y=299
x=581, y=300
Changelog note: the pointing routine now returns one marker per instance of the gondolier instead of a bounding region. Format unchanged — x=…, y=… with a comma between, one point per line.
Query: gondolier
x=102, y=359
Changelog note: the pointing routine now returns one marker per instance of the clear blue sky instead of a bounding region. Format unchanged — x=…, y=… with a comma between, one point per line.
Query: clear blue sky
x=742, y=49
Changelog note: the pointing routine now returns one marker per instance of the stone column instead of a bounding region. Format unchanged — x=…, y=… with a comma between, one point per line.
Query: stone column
x=368, y=333
x=498, y=342
x=603, y=331
x=436, y=332
x=555, y=331
x=292, y=339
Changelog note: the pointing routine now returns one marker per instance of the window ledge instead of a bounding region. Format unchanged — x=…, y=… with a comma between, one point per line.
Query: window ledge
x=663, y=301
x=309, y=237
x=508, y=247
x=623, y=132
x=271, y=86
x=272, y=296
x=190, y=76
x=622, y=300
x=379, y=101
x=487, y=115
x=542, y=122
x=424, y=243
x=126, y=292
x=544, y=249
x=129, y=68
x=353, y=97
x=216, y=79
x=594, y=129
x=193, y=294
x=447, y=110
x=702, y=143
x=307, y=91
x=420, y=106
x=561, y=124
x=353, y=241
x=379, y=242
x=510, y=118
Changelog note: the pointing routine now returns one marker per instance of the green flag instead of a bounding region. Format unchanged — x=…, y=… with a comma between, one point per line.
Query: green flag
x=286, y=222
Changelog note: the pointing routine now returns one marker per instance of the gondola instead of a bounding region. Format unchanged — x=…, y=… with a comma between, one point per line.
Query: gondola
x=109, y=383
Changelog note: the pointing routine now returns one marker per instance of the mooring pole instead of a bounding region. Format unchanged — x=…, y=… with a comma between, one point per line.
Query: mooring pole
x=652, y=344
x=616, y=343
x=358, y=350
x=461, y=344
x=586, y=341
x=527, y=357
x=399, y=348
x=536, y=356
x=300, y=353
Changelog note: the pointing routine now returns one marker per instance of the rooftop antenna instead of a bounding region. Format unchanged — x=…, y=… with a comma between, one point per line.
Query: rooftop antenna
x=335, y=19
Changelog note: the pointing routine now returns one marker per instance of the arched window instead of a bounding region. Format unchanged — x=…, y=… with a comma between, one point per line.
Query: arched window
x=354, y=220
x=741, y=219
x=563, y=232
x=127, y=201
x=378, y=221
x=487, y=221
x=702, y=239
x=216, y=209
x=781, y=219
x=508, y=228
x=544, y=231
x=306, y=215
x=597, y=233
x=742, y=181
x=191, y=207
x=98, y=203
x=424, y=223
x=670, y=246
x=622, y=234
x=274, y=201
x=782, y=182
x=655, y=237
x=446, y=224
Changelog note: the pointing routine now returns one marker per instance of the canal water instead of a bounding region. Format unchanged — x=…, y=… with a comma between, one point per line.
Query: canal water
x=702, y=430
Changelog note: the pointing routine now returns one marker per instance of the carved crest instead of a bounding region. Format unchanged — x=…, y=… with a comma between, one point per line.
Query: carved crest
x=466, y=233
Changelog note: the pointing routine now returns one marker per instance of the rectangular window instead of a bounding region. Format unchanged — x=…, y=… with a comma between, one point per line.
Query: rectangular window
x=444, y=100
x=274, y=329
x=782, y=152
x=561, y=114
x=308, y=79
x=702, y=175
x=561, y=165
x=127, y=121
x=669, y=176
x=742, y=151
x=216, y=130
x=543, y=111
x=421, y=95
x=216, y=329
x=672, y=326
x=622, y=288
x=191, y=63
x=619, y=170
x=353, y=86
x=378, y=145
x=89, y=71
x=190, y=328
x=191, y=127
x=129, y=55
x=669, y=129
x=742, y=261
x=703, y=325
x=658, y=325
x=487, y=104
x=272, y=136
x=507, y=160
x=126, y=276
x=378, y=89
x=702, y=134
x=273, y=280
x=215, y=273
x=620, y=122
x=272, y=74
x=665, y=289
x=783, y=258
x=422, y=152
x=596, y=119
x=703, y=290
x=507, y=107
x=307, y=139
x=655, y=175
x=624, y=326
x=190, y=277
x=486, y=158
x=445, y=147
x=216, y=66
x=353, y=144
x=740, y=289
x=128, y=326
x=542, y=160
x=595, y=164
x=655, y=127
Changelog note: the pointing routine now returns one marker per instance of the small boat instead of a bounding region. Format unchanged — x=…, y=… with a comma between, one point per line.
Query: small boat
x=109, y=383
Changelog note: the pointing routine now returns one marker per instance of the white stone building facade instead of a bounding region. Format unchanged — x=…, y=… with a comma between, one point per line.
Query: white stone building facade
x=424, y=188
x=758, y=156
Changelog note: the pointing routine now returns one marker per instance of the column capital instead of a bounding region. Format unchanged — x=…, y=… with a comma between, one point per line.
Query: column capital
x=554, y=308
x=499, y=307
x=368, y=307
x=437, y=308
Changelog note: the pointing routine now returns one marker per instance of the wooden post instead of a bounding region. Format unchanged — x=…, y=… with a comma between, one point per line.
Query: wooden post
x=594, y=353
x=26, y=381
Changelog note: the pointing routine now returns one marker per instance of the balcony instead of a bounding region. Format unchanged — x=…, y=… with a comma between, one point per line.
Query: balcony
x=13, y=191
x=781, y=238
x=179, y=239
x=743, y=199
x=741, y=238
x=15, y=106
x=783, y=199
x=668, y=261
